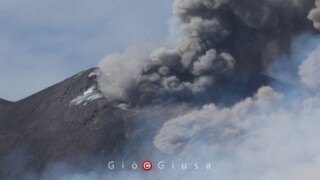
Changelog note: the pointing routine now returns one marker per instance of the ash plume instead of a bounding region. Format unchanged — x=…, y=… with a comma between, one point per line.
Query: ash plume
x=210, y=98
x=219, y=38
x=268, y=136
x=221, y=41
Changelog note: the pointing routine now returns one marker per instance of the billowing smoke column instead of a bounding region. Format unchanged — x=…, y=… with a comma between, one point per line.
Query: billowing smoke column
x=220, y=37
x=271, y=135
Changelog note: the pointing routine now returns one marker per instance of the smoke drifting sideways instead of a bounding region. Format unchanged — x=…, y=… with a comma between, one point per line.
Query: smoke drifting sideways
x=219, y=38
x=272, y=135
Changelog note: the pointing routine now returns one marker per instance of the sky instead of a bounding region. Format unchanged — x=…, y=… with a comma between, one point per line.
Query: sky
x=43, y=42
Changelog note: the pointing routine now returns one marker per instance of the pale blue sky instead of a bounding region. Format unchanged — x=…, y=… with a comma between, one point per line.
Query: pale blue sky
x=45, y=41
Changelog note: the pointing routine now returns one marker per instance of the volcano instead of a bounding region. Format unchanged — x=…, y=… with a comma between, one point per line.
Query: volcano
x=68, y=120
x=73, y=122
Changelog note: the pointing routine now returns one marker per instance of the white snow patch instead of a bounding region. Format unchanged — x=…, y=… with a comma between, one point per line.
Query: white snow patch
x=89, y=95
x=93, y=74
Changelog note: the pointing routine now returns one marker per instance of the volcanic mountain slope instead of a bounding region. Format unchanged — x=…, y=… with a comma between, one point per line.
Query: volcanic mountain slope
x=71, y=121
x=68, y=120
x=4, y=103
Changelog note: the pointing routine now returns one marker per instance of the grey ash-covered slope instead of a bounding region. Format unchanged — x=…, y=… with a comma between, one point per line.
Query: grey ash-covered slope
x=4, y=103
x=71, y=121
x=68, y=120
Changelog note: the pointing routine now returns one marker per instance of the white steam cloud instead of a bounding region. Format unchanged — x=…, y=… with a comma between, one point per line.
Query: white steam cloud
x=118, y=72
x=176, y=134
x=309, y=71
x=271, y=136
x=314, y=15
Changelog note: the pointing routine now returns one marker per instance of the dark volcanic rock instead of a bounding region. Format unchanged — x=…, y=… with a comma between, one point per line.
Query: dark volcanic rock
x=52, y=126
x=72, y=122
x=4, y=103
